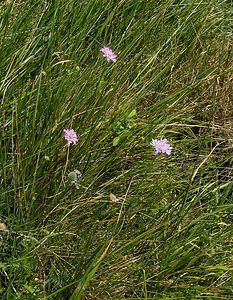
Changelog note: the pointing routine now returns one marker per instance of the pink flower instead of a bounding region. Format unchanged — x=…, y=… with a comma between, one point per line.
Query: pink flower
x=161, y=146
x=71, y=136
x=109, y=54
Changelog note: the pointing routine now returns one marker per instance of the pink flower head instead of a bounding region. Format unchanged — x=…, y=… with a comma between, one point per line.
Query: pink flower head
x=109, y=54
x=161, y=146
x=71, y=136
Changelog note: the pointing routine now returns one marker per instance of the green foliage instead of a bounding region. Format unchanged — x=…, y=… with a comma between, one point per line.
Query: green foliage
x=124, y=126
x=167, y=231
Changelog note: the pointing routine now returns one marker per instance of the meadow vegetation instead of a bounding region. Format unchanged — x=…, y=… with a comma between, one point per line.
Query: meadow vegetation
x=137, y=225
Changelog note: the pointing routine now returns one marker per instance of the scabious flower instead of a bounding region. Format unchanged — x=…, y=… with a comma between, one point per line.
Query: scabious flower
x=161, y=146
x=71, y=136
x=109, y=54
x=74, y=177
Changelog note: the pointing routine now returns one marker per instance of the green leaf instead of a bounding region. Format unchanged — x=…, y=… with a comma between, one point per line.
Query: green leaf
x=132, y=114
x=116, y=141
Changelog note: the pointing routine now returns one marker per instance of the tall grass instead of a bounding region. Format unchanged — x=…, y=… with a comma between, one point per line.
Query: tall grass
x=140, y=226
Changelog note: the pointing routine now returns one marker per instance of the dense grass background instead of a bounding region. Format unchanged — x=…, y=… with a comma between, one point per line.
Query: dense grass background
x=169, y=235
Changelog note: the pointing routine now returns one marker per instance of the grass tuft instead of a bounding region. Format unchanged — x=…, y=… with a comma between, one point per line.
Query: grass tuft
x=136, y=226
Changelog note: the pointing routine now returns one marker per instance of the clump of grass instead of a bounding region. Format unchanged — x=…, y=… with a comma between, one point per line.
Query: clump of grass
x=138, y=226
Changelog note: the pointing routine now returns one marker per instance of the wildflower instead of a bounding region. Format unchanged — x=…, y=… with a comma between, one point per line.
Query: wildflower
x=109, y=54
x=74, y=177
x=161, y=146
x=71, y=136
